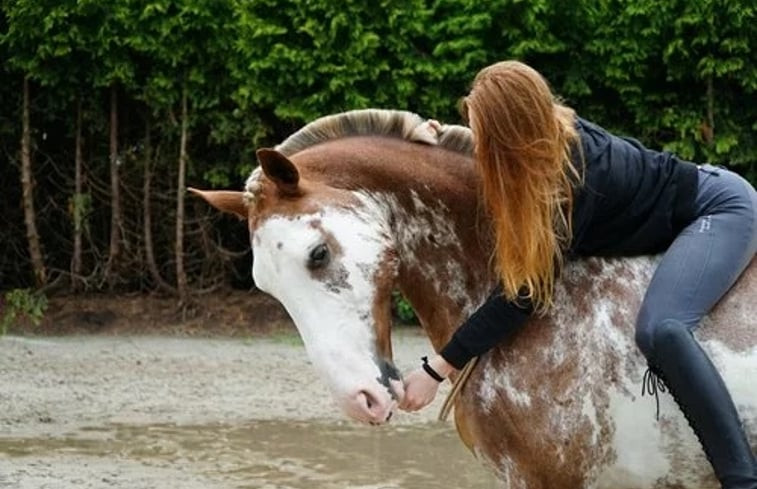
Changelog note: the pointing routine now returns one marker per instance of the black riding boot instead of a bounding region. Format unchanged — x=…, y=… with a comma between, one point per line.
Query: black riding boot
x=701, y=394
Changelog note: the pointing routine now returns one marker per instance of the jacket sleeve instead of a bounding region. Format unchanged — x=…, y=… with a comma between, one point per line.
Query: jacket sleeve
x=496, y=319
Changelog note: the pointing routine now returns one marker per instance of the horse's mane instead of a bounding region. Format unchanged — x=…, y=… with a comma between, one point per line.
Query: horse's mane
x=398, y=124
x=376, y=122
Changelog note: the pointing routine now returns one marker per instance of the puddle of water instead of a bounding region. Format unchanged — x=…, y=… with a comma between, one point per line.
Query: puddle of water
x=274, y=454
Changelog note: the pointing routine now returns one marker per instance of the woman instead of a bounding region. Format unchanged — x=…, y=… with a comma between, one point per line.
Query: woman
x=557, y=186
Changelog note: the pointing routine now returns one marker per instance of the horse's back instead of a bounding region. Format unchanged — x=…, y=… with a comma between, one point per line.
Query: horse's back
x=561, y=405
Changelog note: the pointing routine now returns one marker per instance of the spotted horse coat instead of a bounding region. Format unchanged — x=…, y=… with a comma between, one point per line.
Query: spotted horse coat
x=394, y=206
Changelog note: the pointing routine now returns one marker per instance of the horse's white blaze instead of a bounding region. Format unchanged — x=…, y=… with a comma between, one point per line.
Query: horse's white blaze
x=331, y=308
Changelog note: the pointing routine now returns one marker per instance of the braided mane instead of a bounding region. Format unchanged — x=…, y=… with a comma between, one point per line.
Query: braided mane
x=375, y=122
x=398, y=124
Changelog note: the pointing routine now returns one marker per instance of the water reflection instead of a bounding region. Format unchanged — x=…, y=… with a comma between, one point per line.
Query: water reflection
x=279, y=455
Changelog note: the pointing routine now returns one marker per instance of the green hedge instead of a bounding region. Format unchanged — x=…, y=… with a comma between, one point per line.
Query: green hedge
x=679, y=75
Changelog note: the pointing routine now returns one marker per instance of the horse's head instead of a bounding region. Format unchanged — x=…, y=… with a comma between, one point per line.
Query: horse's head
x=326, y=254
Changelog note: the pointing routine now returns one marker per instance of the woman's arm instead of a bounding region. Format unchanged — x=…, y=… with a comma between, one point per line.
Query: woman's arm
x=496, y=319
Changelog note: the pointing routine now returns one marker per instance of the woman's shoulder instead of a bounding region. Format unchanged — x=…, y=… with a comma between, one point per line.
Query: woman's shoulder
x=600, y=137
x=597, y=141
x=594, y=139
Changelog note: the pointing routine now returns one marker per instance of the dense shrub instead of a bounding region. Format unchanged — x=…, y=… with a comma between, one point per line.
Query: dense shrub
x=212, y=80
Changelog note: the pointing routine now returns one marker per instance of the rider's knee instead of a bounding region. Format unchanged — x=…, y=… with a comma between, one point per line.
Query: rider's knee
x=650, y=335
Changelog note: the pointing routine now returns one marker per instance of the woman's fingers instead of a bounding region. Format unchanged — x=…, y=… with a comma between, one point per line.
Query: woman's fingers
x=427, y=132
x=420, y=390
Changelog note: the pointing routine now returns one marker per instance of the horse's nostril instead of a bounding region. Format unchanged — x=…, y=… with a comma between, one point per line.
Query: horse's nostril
x=389, y=416
x=370, y=400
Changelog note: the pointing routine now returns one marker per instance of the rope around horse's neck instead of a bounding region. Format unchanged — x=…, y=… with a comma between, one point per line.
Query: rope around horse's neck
x=457, y=386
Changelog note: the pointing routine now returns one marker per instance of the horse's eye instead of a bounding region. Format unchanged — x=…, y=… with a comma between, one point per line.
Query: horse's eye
x=319, y=256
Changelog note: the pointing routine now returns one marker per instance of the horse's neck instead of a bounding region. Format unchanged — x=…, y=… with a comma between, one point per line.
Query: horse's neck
x=443, y=261
x=430, y=195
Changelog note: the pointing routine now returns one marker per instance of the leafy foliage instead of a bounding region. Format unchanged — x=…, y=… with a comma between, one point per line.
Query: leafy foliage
x=20, y=305
x=679, y=75
x=402, y=309
x=683, y=72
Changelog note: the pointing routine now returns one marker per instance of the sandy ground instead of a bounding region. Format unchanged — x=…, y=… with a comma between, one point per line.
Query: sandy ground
x=60, y=390
x=52, y=384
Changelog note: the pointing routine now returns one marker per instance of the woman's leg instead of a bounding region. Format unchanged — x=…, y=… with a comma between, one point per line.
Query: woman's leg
x=696, y=271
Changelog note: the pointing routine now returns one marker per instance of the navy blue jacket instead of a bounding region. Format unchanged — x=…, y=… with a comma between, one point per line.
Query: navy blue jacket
x=631, y=201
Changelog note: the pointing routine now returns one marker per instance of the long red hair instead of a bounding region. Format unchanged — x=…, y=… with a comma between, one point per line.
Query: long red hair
x=523, y=142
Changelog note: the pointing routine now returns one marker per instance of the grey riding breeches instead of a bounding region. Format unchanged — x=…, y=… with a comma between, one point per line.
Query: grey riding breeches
x=705, y=259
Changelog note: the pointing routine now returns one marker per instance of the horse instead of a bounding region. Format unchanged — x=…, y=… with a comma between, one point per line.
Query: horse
x=356, y=205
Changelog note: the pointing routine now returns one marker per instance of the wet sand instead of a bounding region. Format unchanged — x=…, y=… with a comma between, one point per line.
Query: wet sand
x=148, y=412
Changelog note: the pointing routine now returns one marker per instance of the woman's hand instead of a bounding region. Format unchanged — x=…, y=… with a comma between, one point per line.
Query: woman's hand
x=420, y=387
x=427, y=132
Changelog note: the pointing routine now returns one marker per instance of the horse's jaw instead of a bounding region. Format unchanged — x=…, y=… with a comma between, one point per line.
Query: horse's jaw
x=440, y=271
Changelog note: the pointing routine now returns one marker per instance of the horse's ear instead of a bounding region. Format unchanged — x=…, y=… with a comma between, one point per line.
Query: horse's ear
x=224, y=201
x=279, y=170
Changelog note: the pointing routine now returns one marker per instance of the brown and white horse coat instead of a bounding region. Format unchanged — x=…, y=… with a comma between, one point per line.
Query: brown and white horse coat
x=558, y=405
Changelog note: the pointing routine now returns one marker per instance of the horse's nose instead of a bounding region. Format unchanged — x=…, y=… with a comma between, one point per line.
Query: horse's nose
x=375, y=408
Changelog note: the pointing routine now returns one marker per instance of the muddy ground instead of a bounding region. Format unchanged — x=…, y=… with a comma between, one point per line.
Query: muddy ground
x=132, y=411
